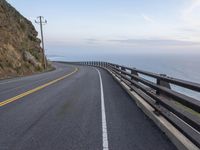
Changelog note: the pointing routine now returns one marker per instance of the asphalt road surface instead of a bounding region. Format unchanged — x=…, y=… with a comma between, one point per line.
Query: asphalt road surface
x=73, y=108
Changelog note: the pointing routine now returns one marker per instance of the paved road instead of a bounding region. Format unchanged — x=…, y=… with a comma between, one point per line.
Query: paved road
x=70, y=109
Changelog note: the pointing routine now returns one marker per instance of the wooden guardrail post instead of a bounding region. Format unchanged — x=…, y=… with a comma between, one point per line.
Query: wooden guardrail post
x=102, y=64
x=133, y=72
x=122, y=69
x=162, y=83
x=106, y=65
x=116, y=66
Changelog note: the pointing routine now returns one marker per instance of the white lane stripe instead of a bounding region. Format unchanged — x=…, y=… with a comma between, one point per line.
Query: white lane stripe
x=104, y=124
x=25, y=78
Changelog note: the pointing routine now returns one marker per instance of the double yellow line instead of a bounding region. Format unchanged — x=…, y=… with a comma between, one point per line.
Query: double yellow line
x=5, y=102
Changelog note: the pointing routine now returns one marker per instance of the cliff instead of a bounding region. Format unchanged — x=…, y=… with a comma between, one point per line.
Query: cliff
x=20, y=51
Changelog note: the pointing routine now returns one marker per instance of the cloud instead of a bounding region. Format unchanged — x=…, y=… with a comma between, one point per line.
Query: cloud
x=189, y=30
x=92, y=40
x=191, y=13
x=147, y=18
x=157, y=42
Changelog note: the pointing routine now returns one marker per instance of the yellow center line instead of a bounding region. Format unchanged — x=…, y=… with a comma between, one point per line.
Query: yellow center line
x=5, y=102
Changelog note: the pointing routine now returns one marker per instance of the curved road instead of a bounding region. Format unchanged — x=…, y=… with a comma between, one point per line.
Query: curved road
x=73, y=108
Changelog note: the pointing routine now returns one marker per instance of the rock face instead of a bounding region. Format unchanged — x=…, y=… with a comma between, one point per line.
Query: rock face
x=20, y=51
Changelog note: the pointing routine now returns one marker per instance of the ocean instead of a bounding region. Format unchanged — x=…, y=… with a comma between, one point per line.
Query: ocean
x=182, y=66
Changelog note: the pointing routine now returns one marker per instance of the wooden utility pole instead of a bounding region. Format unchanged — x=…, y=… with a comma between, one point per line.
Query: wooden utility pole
x=40, y=20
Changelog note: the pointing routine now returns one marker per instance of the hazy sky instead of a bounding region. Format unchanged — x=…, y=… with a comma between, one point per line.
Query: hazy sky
x=116, y=26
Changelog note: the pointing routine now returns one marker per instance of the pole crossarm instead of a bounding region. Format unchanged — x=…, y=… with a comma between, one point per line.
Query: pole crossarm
x=41, y=20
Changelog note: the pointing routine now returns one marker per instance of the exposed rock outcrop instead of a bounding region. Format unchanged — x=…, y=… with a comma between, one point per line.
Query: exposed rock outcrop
x=20, y=51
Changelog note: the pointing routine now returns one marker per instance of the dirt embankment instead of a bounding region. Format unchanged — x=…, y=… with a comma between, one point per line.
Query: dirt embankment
x=20, y=51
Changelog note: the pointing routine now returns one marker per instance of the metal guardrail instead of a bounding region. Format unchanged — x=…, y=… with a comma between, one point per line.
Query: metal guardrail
x=181, y=110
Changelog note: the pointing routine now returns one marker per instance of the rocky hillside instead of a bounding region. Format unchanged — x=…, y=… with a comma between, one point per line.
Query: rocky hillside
x=20, y=51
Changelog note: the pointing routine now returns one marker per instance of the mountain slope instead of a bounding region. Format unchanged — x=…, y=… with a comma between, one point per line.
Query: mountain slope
x=20, y=51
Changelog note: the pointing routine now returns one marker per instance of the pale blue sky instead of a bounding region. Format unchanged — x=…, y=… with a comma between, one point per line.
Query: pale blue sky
x=116, y=26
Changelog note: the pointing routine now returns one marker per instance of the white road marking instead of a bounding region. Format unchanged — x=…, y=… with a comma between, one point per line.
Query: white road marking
x=104, y=124
x=12, y=80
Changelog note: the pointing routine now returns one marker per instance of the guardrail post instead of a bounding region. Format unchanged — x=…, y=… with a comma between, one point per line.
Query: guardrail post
x=104, y=64
x=162, y=83
x=123, y=69
x=107, y=64
x=101, y=64
x=133, y=72
x=116, y=66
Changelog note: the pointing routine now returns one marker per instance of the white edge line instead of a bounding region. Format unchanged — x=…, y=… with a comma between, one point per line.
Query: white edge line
x=103, y=113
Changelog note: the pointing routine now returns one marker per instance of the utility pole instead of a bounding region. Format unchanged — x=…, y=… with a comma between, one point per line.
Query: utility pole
x=40, y=20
